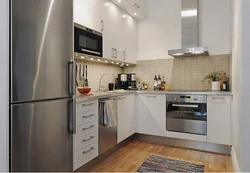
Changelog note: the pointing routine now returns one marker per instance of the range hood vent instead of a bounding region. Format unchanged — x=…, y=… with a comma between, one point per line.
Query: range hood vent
x=190, y=31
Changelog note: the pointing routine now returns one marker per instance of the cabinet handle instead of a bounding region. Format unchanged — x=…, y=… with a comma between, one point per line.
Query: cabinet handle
x=85, y=152
x=88, y=104
x=88, y=127
x=137, y=6
x=115, y=53
x=102, y=25
x=124, y=53
x=85, y=140
x=218, y=98
x=121, y=98
x=151, y=96
x=91, y=115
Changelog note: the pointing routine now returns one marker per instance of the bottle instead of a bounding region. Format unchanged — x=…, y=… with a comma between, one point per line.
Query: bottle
x=159, y=80
x=224, y=86
x=139, y=87
x=155, y=80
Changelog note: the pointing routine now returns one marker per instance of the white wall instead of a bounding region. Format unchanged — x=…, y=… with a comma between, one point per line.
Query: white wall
x=161, y=31
x=241, y=83
x=4, y=37
x=245, y=85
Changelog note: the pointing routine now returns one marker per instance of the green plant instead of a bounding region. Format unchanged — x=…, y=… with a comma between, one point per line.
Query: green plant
x=212, y=76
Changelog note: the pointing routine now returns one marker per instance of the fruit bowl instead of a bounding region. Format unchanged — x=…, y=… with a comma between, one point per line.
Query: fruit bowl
x=83, y=90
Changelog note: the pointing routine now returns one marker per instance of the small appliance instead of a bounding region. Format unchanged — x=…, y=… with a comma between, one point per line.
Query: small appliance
x=87, y=41
x=132, y=81
x=123, y=81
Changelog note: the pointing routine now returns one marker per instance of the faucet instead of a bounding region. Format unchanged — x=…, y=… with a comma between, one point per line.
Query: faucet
x=100, y=81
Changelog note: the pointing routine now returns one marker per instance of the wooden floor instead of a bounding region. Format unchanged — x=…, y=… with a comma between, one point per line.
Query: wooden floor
x=130, y=157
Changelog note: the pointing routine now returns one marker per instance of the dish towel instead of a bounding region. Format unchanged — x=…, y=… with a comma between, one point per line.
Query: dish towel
x=108, y=118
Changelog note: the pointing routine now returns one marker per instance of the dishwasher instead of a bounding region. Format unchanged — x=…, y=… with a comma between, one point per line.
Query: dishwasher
x=107, y=135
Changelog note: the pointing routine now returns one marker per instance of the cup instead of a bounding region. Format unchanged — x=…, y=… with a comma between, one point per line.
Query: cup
x=111, y=86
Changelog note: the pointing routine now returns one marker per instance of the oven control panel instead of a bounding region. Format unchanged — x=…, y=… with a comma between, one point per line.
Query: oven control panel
x=187, y=98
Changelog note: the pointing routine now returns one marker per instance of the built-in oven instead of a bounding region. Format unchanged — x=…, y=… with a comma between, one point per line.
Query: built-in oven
x=87, y=41
x=187, y=114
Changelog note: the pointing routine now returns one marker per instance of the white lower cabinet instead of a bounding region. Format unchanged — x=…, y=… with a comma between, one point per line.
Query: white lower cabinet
x=85, y=155
x=219, y=119
x=126, y=125
x=85, y=144
x=151, y=114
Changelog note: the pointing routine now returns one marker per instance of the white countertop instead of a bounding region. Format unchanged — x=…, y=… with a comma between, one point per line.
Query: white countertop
x=101, y=95
x=215, y=93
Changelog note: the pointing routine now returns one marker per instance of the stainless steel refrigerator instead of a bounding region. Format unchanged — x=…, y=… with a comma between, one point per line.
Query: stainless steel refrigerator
x=42, y=118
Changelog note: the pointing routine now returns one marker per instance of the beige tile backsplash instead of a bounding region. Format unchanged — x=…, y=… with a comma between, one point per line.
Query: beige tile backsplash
x=182, y=73
x=95, y=72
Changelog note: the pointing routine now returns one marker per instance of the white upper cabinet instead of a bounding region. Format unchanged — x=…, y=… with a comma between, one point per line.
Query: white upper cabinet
x=119, y=31
x=89, y=13
x=219, y=119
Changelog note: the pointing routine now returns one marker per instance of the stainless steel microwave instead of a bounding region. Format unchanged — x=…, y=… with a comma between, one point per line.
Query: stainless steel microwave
x=87, y=41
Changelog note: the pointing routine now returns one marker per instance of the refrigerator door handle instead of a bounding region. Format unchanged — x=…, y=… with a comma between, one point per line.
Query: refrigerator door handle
x=71, y=77
x=72, y=116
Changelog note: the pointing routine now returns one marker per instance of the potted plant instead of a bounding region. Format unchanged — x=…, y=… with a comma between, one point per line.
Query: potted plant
x=213, y=78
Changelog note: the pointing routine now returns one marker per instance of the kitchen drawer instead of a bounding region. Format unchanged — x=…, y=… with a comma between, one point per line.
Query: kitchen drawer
x=85, y=155
x=85, y=140
x=82, y=107
x=86, y=129
x=86, y=117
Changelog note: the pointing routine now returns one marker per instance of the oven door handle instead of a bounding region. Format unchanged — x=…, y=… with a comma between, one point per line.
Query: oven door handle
x=187, y=106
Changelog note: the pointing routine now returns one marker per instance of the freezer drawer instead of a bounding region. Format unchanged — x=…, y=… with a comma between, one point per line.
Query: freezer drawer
x=41, y=136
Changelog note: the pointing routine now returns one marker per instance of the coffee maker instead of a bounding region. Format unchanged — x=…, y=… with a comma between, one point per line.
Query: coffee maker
x=123, y=81
x=132, y=81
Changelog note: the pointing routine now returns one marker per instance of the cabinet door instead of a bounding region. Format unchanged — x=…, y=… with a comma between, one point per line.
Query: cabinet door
x=126, y=117
x=89, y=13
x=219, y=119
x=151, y=116
x=113, y=24
x=129, y=41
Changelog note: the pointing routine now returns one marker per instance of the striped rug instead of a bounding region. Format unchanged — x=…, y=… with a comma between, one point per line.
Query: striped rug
x=161, y=164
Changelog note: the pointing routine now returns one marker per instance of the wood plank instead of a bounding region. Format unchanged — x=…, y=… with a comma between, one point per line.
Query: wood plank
x=130, y=157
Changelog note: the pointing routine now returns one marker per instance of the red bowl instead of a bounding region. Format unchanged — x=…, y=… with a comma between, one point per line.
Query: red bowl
x=83, y=90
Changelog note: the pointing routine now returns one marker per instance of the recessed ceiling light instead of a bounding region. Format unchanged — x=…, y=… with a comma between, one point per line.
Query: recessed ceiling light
x=117, y=63
x=107, y=4
x=127, y=64
x=82, y=57
x=106, y=61
x=112, y=62
x=124, y=16
x=119, y=1
x=135, y=14
x=91, y=58
x=98, y=60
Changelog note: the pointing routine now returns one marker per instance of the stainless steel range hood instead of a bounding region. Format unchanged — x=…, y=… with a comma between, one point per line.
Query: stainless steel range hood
x=190, y=31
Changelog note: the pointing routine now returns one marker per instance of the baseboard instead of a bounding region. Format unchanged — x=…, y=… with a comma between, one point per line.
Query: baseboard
x=235, y=161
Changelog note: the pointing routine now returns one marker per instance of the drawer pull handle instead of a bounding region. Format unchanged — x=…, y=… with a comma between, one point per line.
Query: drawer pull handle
x=85, y=152
x=88, y=127
x=85, y=140
x=90, y=104
x=218, y=98
x=91, y=115
x=151, y=96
